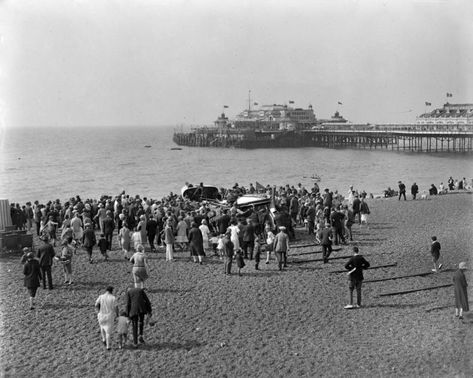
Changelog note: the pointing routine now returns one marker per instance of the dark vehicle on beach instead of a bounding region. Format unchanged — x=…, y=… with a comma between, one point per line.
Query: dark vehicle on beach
x=201, y=192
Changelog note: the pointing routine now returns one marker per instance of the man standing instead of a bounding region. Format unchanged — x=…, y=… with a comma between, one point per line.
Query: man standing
x=281, y=247
x=435, y=251
x=228, y=251
x=107, y=310
x=355, y=266
x=137, y=306
x=169, y=240
x=248, y=239
x=337, y=219
x=45, y=256
x=108, y=227
x=414, y=190
x=402, y=190
x=151, y=229
x=325, y=236
x=89, y=240
x=223, y=222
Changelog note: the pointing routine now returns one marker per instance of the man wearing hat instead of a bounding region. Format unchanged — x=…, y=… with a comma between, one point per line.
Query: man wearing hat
x=402, y=190
x=281, y=247
x=89, y=240
x=32, y=273
x=45, y=256
x=325, y=236
x=355, y=266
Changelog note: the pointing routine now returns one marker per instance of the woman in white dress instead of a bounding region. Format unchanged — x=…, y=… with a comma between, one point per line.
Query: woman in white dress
x=204, y=229
x=107, y=310
x=234, y=234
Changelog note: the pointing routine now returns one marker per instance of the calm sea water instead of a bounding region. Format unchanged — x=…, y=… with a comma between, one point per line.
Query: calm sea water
x=48, y=163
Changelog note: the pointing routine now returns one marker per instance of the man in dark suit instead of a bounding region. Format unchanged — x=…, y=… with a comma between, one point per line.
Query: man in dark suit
x=151, y=229
x=355, y=266
x=108, y=227
x=402, y=190
x=325, y=236
x=248, y=239
x=356, y=208
x=45, y=256
x=137, y=306
x=223, y=222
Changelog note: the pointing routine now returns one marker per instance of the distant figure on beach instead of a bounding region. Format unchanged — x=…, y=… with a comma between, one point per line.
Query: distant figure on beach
x=281, y=247
x=196, y=244
x=107, y=310
x=435, y=252
x=325, y=236
x=169, y=240
x=451, y=183
x=364, y=211
x=355, y=266
x=461, y=293
x=228, y=252
x=414, y=191
x=89, y=240
x=45, y=256
x=140, y=267
x=356, y=208
x=67, y=252
x=32, y=273
x=151, y=231
x=402, y=190
x=124, y=239
x=239, y=260
x=433, y=190
x=137, y=306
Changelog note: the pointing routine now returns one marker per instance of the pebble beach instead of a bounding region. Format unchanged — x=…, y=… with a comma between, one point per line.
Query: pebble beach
x=265, y=323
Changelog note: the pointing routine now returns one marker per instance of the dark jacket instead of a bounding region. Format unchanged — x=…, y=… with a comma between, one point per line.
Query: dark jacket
x=137, y=302
x=359, y=263
x=108, y=225
x=32, y=272
x=227, y=247
x=45, y=255
x=89, y=239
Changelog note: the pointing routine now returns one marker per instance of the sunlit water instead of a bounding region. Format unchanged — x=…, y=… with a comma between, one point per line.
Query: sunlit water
x=48, y=163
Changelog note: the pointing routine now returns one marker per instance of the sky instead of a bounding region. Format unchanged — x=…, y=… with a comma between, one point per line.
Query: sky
x=122, y=63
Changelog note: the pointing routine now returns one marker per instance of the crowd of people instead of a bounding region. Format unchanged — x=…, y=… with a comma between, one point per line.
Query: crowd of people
x=452, y=185
x=199, y=226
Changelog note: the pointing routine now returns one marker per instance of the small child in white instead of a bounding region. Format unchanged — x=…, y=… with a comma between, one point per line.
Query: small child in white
x=213, y=241
x=122, y=329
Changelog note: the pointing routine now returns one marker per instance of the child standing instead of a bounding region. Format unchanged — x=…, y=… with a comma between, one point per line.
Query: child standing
x=269, y=242
x=239, y=260
x=103, y=246
x=122, y=329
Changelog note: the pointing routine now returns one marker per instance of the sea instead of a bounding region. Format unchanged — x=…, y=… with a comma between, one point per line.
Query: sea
x=49, y=163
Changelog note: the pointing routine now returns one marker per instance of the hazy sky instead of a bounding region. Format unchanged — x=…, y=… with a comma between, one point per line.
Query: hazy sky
x=123, y=62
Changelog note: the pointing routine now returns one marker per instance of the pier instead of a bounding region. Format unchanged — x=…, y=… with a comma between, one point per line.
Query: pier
x=402, y=137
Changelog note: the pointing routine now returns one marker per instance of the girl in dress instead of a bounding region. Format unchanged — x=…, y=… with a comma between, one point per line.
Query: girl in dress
x=122, y=328
x=235, y=230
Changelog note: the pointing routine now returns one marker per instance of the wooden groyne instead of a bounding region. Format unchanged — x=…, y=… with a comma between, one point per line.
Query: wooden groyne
x=417, y=138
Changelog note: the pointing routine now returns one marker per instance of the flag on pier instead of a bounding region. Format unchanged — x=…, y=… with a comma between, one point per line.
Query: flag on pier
x=428, y=103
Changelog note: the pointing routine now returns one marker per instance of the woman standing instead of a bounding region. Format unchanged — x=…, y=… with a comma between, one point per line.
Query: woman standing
x=461, y=293
x=32, y=272
x=182, y=230
x=204, y=229
x=235, y=230
x=196, y=243
x=67, y=251
x=169, y=240
x=124, y=240
x=107, y=310
x=140, y=267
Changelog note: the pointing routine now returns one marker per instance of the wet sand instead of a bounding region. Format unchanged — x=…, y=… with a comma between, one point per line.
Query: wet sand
x=266, y=323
